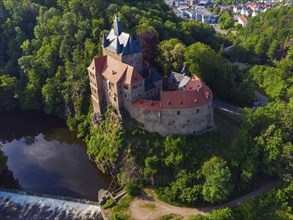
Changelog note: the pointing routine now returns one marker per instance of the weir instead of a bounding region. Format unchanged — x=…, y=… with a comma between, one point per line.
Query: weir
x=15, y=204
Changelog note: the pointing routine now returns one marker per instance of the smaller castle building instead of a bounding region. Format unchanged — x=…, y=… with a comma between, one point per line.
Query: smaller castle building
x=119, y=79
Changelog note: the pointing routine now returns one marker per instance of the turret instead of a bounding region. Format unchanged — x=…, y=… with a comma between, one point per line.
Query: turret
x=117, y=25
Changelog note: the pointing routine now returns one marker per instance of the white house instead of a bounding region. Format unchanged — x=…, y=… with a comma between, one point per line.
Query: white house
x=242, y=20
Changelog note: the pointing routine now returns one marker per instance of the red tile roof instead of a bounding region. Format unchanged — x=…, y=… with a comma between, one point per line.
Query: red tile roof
x=243, y=18
x=145, y=104
x=114, y=70
x=194, y=84
x=187, y=98
x=132, y=76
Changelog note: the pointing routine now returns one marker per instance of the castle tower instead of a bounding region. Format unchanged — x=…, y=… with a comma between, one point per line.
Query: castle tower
x=117, y=26
x=122, y=47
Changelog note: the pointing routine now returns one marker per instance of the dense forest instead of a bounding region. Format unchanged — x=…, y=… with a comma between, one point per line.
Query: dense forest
x=46, y=47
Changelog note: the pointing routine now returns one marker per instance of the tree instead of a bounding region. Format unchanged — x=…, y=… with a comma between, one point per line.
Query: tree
x=171, y=56
x=149, y=42
x=211, y=67
x=7, y=92
x=218, y=185
x=273, y=49
x=226, y=20
x=3, y=160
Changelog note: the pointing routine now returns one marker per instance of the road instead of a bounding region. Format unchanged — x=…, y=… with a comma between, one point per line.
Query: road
x=228, y=108
x=218, y=29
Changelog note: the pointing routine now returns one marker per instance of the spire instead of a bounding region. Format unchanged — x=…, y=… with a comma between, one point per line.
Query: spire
x=104, y=40
x=117, y=25
x=184, y=71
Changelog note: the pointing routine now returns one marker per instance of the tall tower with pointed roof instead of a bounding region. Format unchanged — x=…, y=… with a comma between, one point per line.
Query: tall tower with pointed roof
x=117, y=25
x=121, y=46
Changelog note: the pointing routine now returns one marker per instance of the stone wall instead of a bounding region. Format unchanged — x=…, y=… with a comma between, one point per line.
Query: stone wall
x=113, y=96
x=134, y=60
x=111, y=54
x=175, y=121
x=96, y=91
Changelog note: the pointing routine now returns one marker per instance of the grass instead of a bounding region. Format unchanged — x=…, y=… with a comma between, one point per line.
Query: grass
x=121, y=210
x=150, y=206
x=171, y=217
x=221, y=142
x=109, y=203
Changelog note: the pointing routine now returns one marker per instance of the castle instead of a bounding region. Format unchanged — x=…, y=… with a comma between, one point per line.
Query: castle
x=120, y=79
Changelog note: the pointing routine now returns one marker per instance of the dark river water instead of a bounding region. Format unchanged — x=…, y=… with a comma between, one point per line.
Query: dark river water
x=46, y=157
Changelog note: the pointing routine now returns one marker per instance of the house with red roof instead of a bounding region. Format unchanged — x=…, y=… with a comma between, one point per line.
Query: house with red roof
x=120, y=79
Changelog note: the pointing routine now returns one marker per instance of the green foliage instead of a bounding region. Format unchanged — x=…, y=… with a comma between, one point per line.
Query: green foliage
x=108, y=133
x=7, y=92
x=226, y=20
x=170, y=217
x=3, y=160
x=217, y=186
x=266, y=36
x=275, y=204
x=134, y=187
x=171, y=55
x=120, y=211
x=281, y=76
x=266, y=141
x=221, y=214
x=217, y=214
x=109, y=203
x=211, y=67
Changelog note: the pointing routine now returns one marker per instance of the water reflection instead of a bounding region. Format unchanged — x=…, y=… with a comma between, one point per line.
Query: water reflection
x=46, y=157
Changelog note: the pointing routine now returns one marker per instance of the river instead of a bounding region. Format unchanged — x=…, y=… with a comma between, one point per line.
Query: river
x=46, y=157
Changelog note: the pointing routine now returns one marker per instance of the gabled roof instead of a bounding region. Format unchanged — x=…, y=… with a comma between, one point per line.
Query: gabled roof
x=132, y=76
x=243, y=18
x=114, y=70
x=183, y=82
x=97, y=65
x=175, y=78
x=186, y=99
x=145, y=104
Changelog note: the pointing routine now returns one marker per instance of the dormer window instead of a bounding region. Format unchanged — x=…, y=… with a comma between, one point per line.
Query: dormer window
x=114, y=72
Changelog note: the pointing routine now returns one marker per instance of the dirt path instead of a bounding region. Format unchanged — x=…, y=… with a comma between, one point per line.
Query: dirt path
x=147, y=207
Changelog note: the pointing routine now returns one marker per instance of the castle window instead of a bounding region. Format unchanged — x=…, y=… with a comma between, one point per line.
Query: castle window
x=115, y=99
x=197, y=110
x=173, y=122
x=188, y=121
x=134, y=86
x=125, y=87
x=125, y=96
x=109, y=85
x=178, y=112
